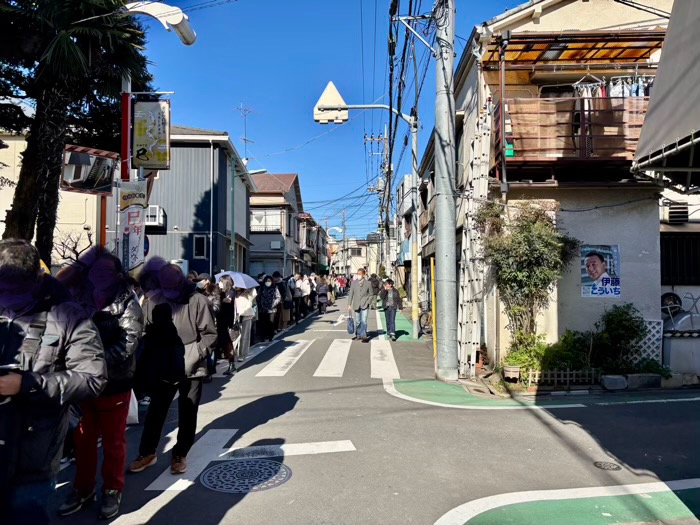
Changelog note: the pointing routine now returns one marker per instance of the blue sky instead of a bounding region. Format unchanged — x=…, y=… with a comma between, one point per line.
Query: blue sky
x=276, y=57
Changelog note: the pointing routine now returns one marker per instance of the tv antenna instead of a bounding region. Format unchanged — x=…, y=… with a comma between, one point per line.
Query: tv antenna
x=244, y=111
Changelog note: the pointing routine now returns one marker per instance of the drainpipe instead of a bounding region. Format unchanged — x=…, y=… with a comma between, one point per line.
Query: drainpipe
x=232, y=260
x=211, y=209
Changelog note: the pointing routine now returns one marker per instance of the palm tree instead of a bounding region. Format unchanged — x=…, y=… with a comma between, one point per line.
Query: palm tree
x=68, y=55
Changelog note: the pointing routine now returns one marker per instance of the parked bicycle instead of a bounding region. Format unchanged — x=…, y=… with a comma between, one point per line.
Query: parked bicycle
x=426, y=318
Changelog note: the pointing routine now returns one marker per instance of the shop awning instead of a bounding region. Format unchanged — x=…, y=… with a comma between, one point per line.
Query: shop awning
x=671, y=130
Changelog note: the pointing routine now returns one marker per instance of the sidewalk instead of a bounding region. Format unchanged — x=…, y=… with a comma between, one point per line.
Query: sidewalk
x=456, y=395
x=674, y=502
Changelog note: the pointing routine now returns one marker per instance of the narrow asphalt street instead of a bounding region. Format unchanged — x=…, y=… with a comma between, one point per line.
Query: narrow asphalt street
x=308, y=425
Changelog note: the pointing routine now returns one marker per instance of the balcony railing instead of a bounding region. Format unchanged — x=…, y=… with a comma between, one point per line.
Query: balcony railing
x=550, y=129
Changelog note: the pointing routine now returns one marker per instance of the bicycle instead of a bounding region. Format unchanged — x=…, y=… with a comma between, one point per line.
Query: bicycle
x=425, y=320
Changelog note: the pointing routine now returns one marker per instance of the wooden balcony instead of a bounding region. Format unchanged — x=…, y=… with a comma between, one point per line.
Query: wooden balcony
x=545, y=133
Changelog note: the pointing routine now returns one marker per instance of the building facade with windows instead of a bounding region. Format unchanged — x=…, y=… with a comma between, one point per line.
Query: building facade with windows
x=550, y=99
x=275, y=225
x=199, y=209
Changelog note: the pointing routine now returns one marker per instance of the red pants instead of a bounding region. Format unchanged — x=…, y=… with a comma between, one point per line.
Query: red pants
x=104, y=416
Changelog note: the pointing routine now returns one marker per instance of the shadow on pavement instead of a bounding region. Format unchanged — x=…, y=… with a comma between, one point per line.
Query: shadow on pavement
x=207, y=506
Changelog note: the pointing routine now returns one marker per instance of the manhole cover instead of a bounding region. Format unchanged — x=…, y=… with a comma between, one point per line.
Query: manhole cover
x=607, y=465
x=241, y=476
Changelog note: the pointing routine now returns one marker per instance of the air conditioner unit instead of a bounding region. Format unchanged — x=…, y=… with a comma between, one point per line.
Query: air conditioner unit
x=275, y=245
x=675, y=213
x=155, y=216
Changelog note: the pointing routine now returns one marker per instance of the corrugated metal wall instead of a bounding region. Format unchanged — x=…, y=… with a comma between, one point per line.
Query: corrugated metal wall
x=184, y=193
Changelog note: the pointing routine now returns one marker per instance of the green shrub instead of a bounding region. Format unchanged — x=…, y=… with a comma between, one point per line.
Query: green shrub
x=527, y=351
x=650, y=366
x=618, y=334
x=572, y=351
x=402, y=293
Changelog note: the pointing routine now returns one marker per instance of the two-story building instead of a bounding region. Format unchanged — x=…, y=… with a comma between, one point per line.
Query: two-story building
x=274, y=225
x=550, y=100
x=199, y=209
x=349, y=256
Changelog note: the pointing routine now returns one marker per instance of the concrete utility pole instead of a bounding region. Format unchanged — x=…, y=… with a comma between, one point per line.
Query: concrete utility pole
x=332, y=108
x=345, y=246
x=445, y=219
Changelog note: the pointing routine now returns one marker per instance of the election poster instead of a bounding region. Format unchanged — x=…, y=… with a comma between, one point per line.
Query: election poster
x=600, y=271
x=132, y=223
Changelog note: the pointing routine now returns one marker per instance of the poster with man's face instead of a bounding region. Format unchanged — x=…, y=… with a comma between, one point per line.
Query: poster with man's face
x=600, y=271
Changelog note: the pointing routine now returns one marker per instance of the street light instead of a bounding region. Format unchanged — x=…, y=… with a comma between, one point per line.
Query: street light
x=171, y=18
x=331, y=107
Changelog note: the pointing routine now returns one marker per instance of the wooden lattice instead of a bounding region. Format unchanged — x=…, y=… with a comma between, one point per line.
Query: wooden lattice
x=562, y=377
x=650, y=347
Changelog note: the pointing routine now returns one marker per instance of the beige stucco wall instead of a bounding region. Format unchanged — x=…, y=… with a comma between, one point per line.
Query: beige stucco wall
x=634, y=227
x=587, y=15
x=76, y=211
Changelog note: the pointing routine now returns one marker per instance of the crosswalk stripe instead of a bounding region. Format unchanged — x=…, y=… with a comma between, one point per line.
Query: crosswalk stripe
x=383, y=365
x=281, y=364
x=333, y=363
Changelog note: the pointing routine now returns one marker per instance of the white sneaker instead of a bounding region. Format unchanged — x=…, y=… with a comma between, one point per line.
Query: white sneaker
x=145, y=401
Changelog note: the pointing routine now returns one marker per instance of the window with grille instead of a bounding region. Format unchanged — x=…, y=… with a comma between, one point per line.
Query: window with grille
x=265, y=221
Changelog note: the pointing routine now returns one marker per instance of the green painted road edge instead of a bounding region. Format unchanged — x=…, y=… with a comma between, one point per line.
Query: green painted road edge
x=404, y=327
x=450, y=395
x=656, y=502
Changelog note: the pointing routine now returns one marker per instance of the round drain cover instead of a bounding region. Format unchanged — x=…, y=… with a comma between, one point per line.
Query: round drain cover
x=607, y=465
x=241, y=476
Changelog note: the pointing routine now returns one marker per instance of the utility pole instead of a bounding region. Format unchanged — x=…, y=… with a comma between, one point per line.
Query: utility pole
x=345, y=246
x=445, y=219
x=381, y=189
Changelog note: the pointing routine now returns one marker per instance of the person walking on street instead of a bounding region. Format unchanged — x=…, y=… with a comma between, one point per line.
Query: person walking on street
x=51, y=357
x=323, y=292
x=359, y=301
x=180, y=333
x=245, y=300
x=270, y=299
x=376, y=287
x=117, y=314
x=391, y=302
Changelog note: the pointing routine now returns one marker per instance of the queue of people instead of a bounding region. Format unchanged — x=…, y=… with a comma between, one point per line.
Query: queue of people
x=78, y=346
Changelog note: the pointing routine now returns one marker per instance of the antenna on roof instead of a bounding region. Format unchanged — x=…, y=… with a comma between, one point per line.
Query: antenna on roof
x=244, y=111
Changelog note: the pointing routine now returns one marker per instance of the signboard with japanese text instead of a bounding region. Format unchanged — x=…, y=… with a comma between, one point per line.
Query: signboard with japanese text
x=150, y=147
x=600, y=271
x=133, y=203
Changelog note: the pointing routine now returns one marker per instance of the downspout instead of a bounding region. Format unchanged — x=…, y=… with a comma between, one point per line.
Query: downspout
x=211, y=209
x=232, y=250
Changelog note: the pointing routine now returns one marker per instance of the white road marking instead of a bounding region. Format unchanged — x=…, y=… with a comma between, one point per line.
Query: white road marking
x=333, y=363
x=462, y=514
x=204, y=451
x=328, y=330
x=379, y=324
x=342, y=318
x=289, y=449
x=383, y=365
x=646, y=401
x=281, y=364
x=390, y=389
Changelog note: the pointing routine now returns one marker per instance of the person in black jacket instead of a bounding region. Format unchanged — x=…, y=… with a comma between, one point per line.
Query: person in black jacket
x=376, y=287
x=391, y=302
x=180, y=334
x=117, y=314
x=51, y=357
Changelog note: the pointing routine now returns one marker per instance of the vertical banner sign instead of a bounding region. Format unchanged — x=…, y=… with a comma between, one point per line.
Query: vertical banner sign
x=132, y=221
x=151, y=138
